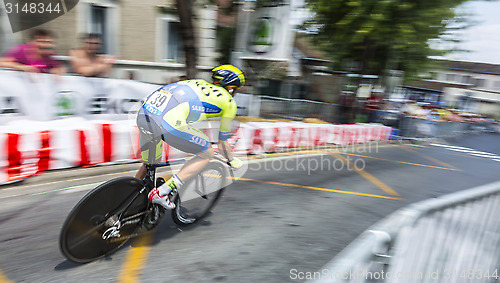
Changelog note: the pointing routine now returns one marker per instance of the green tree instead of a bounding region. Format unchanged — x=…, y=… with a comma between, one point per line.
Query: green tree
x=371, y=36
x=225, y=43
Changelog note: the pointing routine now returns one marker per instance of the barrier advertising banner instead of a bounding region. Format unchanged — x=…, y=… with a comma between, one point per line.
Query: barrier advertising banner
x=44, y=97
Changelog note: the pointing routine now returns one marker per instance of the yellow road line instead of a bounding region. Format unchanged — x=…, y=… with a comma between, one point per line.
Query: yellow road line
x=312, y=188
x=403, y=162
x=368, y=176
x=4, y=279
x=427, y=157
x=305, y=151
x=290, y=153
x=136, y=259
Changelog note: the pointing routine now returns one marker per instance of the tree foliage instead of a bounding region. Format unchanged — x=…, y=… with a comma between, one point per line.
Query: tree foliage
x=225, y=43
x=375, y=35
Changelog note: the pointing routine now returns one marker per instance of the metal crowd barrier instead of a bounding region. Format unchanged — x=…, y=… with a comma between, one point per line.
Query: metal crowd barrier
x=297, y=109
x=453, y=238
x=417, y=128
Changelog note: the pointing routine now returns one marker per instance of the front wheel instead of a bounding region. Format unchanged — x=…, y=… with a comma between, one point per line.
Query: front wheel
x=199, y=195
x=92, y=220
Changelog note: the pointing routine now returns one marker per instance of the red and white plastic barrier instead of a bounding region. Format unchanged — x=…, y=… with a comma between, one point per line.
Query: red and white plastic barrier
x=30, y=147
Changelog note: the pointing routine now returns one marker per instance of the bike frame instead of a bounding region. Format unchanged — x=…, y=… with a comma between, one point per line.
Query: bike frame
x=149, y=183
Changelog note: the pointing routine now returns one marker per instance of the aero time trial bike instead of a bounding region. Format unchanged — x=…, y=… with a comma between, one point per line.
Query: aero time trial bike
x=119, y=209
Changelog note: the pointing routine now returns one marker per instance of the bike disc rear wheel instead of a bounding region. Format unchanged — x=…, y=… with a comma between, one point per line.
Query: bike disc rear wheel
x=81, y=235
x=199, y=195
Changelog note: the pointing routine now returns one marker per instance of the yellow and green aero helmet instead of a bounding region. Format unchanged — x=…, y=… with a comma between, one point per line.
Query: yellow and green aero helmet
x=228, y=75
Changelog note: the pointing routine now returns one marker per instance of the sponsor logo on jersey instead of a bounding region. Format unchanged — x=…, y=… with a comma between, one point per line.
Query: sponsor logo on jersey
x=152, y=109
x=210, y=108
x=206, y=108
x=198, y=108
x=198, y=141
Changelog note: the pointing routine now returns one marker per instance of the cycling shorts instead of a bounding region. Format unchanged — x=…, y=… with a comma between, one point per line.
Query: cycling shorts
x=173, y=129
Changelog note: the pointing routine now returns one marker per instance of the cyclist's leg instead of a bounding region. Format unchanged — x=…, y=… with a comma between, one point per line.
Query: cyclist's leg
x=193, y=166
x=151, y=143
x=141, y=173
x=188, y=139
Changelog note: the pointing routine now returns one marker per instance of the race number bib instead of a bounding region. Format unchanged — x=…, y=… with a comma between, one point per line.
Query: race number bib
x=157, y=102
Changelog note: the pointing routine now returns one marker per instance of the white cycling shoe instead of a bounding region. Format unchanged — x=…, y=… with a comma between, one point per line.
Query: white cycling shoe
x=164, y=201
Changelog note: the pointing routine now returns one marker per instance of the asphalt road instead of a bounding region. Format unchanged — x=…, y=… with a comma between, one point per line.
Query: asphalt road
x=288, y=213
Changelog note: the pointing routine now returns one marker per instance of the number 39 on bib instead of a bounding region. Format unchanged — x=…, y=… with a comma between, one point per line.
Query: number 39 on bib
x=157, y=102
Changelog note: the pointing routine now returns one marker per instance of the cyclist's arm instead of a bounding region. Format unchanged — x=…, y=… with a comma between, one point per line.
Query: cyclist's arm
x=227, y=117
x=225, y=149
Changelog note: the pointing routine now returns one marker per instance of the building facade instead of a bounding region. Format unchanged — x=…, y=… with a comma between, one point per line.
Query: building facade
x=466, y=86
x=478, y=87
x=144, y=35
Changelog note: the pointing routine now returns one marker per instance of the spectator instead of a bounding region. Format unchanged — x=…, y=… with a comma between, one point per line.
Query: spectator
x=433, y=116
x=86, y=61
x=131, y=75
x=347, y=107
x=37, y=56
x=445, y=114
x=373, y=106
x=412, y=109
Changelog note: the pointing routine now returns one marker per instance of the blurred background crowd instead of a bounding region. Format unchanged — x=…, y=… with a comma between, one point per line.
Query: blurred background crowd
x=38, y=56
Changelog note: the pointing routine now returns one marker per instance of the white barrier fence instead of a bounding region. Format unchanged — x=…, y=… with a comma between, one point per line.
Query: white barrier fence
x=29, y=147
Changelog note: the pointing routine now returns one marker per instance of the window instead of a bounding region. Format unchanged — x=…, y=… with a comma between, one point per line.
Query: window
x=466, y=79
x=172, y=50
x=169, y=46
x=101, y=17
x=98, y=15
x=467, y=102
x=479, y=83
x=497, y=85
x=450, y=77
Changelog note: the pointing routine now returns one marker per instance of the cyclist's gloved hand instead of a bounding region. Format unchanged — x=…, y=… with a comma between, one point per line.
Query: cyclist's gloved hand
x=236, y=163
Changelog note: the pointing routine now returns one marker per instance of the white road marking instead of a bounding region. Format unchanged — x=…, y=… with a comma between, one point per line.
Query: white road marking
x=470, y=151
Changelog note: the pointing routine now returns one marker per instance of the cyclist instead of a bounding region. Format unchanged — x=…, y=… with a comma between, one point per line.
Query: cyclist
x=166, y=114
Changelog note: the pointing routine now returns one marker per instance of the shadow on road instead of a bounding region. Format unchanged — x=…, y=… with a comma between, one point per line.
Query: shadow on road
x=168, y=229
x=67, y=264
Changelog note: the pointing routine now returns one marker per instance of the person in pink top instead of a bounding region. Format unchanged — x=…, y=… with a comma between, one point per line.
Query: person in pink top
x=37, y=56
